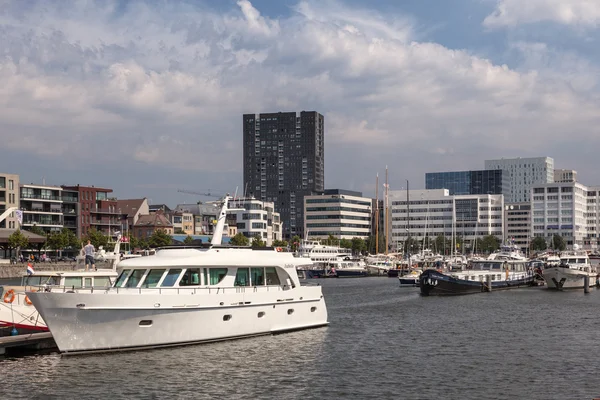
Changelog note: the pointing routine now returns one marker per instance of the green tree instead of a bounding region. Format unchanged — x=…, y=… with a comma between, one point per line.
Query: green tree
x=96, y=238
x=257, y=241
x=539, y=243
x=37, y=230
x=280, y=243
x=295, y=242
x=345, y=244
x=188, y=240
x=488, y=244
x=239, y=240
x=71, y=239
x=142, y=244
x=358, y=245
x=558, y=243
x=179, y=231
x=160, y=238
x=56, y=241
x=17, y=241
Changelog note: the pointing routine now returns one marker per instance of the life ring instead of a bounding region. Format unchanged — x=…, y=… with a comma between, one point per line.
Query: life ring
x=9, y=296
x=27, y=301
x=279, y=249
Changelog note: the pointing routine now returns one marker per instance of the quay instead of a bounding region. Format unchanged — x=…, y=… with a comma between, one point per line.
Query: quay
x=8, y=271
x=26, y=343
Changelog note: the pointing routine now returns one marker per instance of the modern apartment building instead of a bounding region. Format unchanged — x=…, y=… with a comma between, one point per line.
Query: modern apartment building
x=517, y=224
x=71, y=211
x=430, y=213
x=567, y=209
x=469, y=182
x=9, y=197
x=42, y=206
x=344, y=214
x=98, y=210
x=284, y=160
x=565, y=175
x=523, y=174
x=254, y=217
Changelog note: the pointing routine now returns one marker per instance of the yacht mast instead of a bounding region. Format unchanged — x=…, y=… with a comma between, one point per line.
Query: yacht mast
x=408, y=225
x=377, y=214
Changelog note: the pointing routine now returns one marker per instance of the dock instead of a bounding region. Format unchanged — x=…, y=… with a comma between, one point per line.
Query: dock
x=26, y=343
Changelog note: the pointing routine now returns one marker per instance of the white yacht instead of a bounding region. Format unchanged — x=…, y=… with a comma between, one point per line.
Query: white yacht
x=570, y=273
x=320, y=253
x=508, y=252
x=380, y=264
x=185, y=295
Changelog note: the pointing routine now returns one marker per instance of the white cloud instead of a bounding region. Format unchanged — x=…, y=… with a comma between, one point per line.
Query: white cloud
x=166, y=86
x=583, y=13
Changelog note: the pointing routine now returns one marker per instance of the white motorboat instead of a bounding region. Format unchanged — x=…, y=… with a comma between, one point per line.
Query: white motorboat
x=571, y=272
x=411, y=278
x=17, y=310
x=185, y=295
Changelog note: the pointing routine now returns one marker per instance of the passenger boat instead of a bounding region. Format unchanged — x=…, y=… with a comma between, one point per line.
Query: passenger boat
x=478, y=276
x=570, y=273
x=185, y=295
x=17, y=310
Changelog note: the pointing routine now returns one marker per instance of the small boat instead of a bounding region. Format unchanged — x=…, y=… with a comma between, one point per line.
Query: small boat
x=185, y=295
x=477, y=277
x=410, y=279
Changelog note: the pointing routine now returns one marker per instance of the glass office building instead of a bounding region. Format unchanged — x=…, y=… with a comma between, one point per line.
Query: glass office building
x=492, y=181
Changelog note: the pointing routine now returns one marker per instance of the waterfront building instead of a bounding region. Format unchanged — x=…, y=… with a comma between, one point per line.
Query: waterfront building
x=9, y=197
x=517, y=224
x=183, y=222
x=204, y=217
x=252, y=217
x=284, y=160
x=146, y=225
x=469, y=182
x=130, y=211
x=523, y=174
x=435, y=212
x=42, y=207
x=567, y=209
x=565, y=175
x=71, y=211
x=98, y=210
x=343, y=214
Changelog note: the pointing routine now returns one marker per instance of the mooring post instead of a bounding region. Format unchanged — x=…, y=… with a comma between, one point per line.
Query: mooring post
x=586, y=284
x=488, y=280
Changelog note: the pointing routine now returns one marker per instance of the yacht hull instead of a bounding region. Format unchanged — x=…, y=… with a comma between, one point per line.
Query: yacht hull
x=98, y=322
x=433, y=283
x=558, y=278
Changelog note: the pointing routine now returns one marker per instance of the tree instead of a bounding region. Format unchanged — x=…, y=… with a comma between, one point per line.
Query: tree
x=488, y=244
x=71, y=239
x=558, y=243
x=257, y=241
x=17, y=240
x=56, y=241
x=358, y=245
x=96, y=238
x=37, y=230
x=280, y=243
x=188, y=240
x=295, y=242
x=159, y=238
x=539, y=243
x=239, y=240
x=345, y=244
x=179, y=231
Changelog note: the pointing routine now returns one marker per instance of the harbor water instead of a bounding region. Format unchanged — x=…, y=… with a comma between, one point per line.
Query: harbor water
x=383, y=342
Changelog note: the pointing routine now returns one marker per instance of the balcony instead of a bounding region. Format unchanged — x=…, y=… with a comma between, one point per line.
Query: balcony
x=70, y=211
x=37, y=209
x=105, y=211
x=40, y=197
x=105, y=222
x=70, y=199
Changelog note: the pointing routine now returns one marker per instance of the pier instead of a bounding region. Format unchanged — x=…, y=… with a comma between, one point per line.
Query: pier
x=26, y=343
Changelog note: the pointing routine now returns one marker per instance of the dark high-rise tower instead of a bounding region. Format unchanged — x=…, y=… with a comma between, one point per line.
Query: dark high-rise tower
x=284, y=161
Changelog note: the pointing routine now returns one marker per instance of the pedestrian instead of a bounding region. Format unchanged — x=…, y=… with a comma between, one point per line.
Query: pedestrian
x=89, y=255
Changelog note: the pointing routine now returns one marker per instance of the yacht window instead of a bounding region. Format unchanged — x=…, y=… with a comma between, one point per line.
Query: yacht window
x=272, y=277
x=258, y=276
x=496, y=266
x=34, y=280
x=581, y=260
x=153, y=278
x=135, y=278
x=242, y=277
x=87, y=282
x=73, y=281
x=191, y=277
x=102, y=281
x=217, y=275
x=171, y=278
x=122, y=277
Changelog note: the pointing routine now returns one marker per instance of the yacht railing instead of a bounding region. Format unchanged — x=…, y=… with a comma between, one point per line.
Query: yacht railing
x=168, y=290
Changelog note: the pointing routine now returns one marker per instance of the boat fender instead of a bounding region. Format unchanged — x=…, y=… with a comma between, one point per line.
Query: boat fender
x=9, y=296
x=27, y=301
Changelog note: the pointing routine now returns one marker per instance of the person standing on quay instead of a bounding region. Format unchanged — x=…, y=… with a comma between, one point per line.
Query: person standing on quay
x=89, y=255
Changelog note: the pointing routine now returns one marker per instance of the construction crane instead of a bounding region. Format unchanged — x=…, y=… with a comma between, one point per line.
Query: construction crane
x=207, y=194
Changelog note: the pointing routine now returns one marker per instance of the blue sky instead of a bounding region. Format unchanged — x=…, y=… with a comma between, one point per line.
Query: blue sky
x=148, y=97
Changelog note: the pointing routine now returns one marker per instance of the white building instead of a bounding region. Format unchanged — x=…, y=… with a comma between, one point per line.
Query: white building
x=256, y=217
x=9, y=197
x=435, y=212
x=344, y=214
x=523, y=174
x=42, y=207
x=567, y=209
x=565, y=175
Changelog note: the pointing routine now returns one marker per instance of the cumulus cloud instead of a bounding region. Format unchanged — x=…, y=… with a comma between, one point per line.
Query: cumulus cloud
x=584, y=13
x=165, y=85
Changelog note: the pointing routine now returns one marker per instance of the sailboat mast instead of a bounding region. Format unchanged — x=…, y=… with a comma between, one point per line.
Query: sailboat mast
x=407, y=224
x=387, y=209
x=377, y=214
